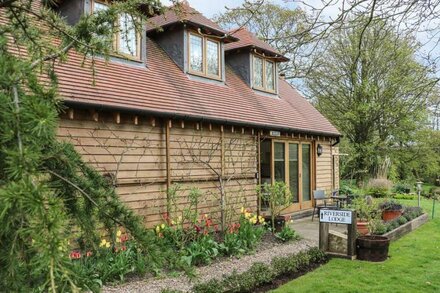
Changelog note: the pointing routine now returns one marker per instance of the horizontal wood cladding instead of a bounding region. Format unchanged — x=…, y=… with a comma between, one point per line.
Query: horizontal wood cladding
x=324, y=169
x=133, y=153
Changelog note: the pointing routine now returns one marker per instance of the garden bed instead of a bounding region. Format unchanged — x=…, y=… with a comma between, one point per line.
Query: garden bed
x=406, y=228
x=226, y=266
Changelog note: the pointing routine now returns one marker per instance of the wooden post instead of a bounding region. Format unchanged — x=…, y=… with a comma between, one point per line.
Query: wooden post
x=323, y=236
x=136, y=120
x=117, y=117
x=222, y=174
x=167, y=155
x=351, y=236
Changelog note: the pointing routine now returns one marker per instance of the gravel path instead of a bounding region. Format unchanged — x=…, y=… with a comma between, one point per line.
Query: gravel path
x=216, y=270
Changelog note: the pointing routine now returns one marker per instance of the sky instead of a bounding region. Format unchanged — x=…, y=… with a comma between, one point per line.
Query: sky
x=209, y=8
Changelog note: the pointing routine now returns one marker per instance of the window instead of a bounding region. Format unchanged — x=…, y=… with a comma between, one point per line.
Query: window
x=264, y=72
x=204, y=56
x=127, y=39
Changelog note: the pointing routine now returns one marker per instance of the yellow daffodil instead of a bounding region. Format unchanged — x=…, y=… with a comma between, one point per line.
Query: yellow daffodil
x=261, y=219
x=107, y=244
x=119, y=233
x=157, y=229
x=162, y=226
x=103, y=243
x=118, y=240
x=242, y=210
x=173, y=222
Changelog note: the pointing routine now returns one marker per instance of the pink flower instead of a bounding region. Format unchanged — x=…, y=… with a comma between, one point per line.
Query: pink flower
x=75, y=255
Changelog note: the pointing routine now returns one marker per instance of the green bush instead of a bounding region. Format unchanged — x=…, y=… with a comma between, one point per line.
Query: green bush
x=402, y=187
x=287, y=234
x=405, y=196
x=379, y=188
x=434, y=191
x=260, y=274
x=402, y=220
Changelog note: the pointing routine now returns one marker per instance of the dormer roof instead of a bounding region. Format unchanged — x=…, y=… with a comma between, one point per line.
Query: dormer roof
x=249, y=40
x=183, y=13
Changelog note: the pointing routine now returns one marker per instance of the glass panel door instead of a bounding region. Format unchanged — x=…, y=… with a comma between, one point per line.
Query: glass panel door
x=306, y=164
x=293, y=171
x=279, y=162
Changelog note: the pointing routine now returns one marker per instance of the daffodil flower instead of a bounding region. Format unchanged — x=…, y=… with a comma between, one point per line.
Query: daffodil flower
x=119, y=233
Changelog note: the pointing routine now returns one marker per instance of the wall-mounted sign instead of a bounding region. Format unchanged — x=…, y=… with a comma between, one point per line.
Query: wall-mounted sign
x=335, y=216
x=274, y=133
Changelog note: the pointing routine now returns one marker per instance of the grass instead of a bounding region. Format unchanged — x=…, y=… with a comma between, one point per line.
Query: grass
x=413, y=266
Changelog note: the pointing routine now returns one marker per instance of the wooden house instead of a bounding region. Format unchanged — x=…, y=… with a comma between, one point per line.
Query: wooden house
x=193, y=105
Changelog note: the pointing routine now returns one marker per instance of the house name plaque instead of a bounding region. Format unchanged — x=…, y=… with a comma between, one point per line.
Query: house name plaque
x=335, y=216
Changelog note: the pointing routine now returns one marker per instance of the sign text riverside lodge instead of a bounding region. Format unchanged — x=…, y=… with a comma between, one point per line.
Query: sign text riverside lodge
x=335, y=216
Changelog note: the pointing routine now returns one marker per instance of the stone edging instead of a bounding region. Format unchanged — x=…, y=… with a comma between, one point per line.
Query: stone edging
x=407, y=227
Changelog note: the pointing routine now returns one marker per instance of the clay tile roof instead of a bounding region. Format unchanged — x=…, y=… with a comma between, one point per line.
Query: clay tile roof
x=183, y=13
x=248, y=39
x=162, y=89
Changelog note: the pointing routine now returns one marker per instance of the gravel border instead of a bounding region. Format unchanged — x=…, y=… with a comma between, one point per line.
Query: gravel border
x=216, y=270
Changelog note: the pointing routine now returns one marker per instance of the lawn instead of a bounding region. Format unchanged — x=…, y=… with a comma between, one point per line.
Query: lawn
x=413, y=266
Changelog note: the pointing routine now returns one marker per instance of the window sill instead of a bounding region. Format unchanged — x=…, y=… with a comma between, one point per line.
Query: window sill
x=200, y=74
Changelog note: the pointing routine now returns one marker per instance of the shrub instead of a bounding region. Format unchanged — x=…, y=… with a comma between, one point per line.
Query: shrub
x=379, y=188
x=392, y=225
x=405, y=196
x=287, y=234
x=278, y=197
x=390, y=205
x=402, y=187
x=260, y=274
x=412, y=212
x=434, y=191
x=402, y=220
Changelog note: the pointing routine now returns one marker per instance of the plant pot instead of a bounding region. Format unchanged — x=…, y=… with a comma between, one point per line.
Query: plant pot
x=280, y=222
x=390, y=215
x=362, y=228
x=372, y=248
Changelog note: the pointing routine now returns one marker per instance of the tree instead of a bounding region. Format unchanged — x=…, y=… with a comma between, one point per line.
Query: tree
x=281, y=27
x=374, y=91
x=46, y=190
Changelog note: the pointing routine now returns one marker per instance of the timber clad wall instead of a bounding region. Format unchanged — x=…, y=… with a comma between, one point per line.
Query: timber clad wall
x=135, y=158
x=327, y=174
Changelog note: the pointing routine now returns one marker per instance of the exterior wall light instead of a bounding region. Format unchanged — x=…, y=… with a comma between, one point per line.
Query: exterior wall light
x=319, y=150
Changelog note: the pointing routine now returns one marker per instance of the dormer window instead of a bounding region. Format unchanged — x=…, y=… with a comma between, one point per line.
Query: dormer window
x=204, y=56
x=264, y=72
x=127, y=39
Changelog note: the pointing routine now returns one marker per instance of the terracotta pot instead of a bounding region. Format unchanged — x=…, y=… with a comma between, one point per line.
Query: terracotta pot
x=391, y=215
x=280, y=222
x=362, y=228
x=372, y=247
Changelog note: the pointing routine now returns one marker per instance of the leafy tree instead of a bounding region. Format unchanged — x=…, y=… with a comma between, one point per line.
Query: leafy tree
x=281, y=27
x=46, y=190
x=369, y=84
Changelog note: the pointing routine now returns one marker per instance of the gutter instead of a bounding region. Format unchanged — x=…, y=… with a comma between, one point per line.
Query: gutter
x=338, y=140
x=196, y=118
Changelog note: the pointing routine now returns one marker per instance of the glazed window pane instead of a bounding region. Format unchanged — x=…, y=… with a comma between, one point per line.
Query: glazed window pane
x=127, y=36
x=212, y=58
x=270, y=81
x=258, y=72
x=196, y=53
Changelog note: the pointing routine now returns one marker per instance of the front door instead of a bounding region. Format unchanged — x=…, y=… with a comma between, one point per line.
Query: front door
x=290, y=162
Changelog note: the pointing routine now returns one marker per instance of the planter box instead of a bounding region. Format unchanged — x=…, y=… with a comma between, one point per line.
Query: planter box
x=406, y=228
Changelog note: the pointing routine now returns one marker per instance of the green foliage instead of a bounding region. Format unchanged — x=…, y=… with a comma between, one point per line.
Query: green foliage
x=242, y=237
x=402, y=187
x=200, y=251
x=260, y=274
x=287, y=234
x=379, y=188
x=390, y=205
x=405, y=196
x=369, y=84
x=278, y=197
x=366, y=210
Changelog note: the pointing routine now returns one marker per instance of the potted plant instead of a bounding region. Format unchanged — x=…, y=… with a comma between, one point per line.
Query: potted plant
x=391, y=210
x=278, y=197
x=365, y=210
x=373, y=247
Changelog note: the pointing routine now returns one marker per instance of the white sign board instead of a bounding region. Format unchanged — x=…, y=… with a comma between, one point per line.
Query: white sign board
x=335, y=216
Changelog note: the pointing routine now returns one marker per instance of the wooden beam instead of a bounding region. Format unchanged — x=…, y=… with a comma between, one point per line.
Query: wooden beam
x=197, y=126
x=242, y=130
x=136, y=120
x=71, y=113
x=170, y=123
x=117, y=117
x=182, y=124
x=253, y=131
x=210, y=127
x=153, y=122
x=95, y=115
x=232, y=128
x=167, y=156
x=221, y=128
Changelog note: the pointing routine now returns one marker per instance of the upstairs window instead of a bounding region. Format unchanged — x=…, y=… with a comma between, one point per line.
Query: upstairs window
x=204, y=56
x=127, y=39
x=264, y=72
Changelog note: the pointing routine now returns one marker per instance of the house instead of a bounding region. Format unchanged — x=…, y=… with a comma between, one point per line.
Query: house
x=194, y=105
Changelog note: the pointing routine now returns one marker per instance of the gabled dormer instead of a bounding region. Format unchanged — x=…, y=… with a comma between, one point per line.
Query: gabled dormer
x=195, y=43
x=255, y=61
x=129, y=43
